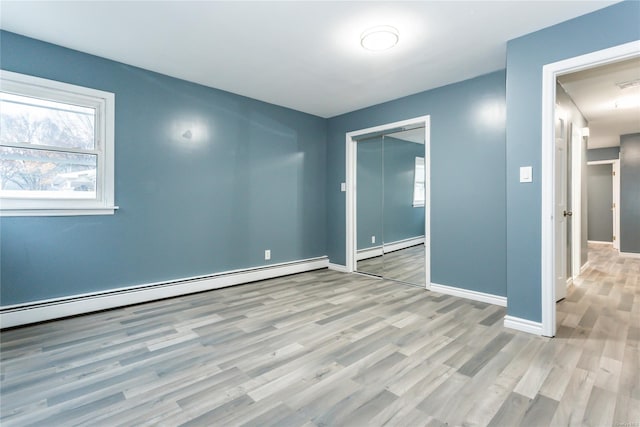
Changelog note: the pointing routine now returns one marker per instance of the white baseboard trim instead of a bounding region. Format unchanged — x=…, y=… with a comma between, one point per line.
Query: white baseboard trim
x=630, y=254
x=338, y=267
x=39, y=311
x=584, y=267
x=403, y=244
x=388, y=247
x=468, y=294
x=600, y=242
x=369, y=253
x=523, y=325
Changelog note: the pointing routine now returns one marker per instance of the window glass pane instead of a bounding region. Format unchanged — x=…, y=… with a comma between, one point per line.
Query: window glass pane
x=31, y=173
x=27, y=120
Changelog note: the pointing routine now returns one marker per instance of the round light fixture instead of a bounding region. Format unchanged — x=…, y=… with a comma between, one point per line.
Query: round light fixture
x=379, y=38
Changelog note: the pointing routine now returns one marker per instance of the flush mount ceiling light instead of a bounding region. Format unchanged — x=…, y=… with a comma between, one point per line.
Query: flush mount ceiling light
x=379, y=38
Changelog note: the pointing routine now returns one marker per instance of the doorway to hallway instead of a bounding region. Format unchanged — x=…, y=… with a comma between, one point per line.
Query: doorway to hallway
x=551, y=231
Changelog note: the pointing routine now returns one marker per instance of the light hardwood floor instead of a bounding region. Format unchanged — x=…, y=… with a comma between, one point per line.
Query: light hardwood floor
x=326, y=348
x=405, y=265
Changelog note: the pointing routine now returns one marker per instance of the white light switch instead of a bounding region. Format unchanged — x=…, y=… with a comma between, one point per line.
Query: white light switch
x=343, y=186
x=526, y=174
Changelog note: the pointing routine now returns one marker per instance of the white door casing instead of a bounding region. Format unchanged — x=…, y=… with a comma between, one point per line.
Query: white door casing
x=616, y=205
x=550, y=73
x=351, y=189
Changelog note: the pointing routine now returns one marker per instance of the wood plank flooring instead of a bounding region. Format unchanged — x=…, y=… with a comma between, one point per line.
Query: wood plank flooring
x=331, y=349
x=405, y=265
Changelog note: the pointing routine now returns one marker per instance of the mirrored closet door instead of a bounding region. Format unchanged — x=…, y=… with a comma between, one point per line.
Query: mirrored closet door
x=390, y=215
x=369, y=206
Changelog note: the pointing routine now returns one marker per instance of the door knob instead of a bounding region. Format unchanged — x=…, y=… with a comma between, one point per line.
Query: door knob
x=568, y=213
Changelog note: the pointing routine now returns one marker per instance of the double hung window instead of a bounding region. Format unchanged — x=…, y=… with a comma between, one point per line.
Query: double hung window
x=56, y=148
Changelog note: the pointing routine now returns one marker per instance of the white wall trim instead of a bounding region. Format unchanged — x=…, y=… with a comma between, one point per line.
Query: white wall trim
x=616, y=200
x=338, y=267
x=369, y=253
x=601, y=162
x=38, y=311
x=600, y=242
x=584, y=267
x=630, y=254
x=351, y=196
x=469, y=294
x=523, y=325
x=550, y=73
x=375, y=251
x=403, y=244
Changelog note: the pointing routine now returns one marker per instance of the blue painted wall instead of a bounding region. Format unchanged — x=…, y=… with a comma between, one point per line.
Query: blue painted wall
x=401, y=220
x=369, y=201
x=255, y=180
x=467, y=173
x=526, y=56
x=608, y=153
x=630, y=193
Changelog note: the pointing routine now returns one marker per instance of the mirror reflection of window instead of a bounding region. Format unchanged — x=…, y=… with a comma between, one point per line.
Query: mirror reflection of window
x=418, y=183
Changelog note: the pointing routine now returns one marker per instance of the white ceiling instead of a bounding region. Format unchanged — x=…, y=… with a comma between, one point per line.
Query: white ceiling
x=297, y=54
x=595, y=93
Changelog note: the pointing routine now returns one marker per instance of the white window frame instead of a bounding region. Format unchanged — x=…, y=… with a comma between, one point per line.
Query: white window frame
x=419, y=203
x=104, y=104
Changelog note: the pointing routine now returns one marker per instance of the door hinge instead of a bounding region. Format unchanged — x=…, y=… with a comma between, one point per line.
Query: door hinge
x=613, y=173
x=614, y=238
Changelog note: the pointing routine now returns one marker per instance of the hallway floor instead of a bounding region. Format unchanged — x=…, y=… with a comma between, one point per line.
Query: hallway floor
x=600, y=323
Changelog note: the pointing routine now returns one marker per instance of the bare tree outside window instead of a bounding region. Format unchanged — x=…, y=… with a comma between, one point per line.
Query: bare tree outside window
x=45, y=148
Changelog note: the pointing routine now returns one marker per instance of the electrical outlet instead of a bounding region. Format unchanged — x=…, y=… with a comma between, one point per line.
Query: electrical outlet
x=267, y=254
x=373, y=239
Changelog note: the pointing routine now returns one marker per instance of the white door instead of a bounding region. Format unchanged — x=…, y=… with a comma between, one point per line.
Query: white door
x=561, y=213
x=575, y=223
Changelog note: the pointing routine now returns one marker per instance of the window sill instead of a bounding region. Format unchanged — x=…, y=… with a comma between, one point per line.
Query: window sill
x=110, y=210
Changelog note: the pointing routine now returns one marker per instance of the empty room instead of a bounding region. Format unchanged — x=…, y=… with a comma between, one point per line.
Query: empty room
x=327, y=213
